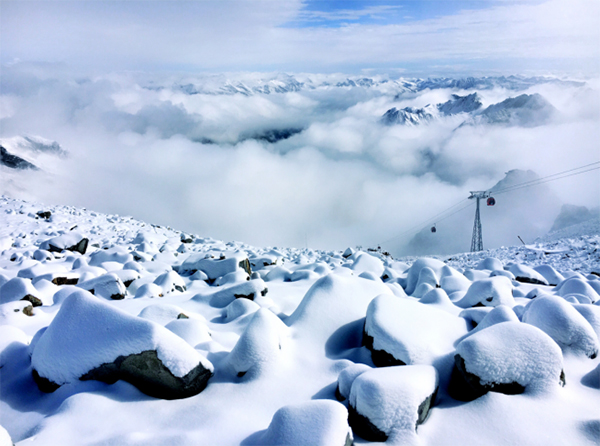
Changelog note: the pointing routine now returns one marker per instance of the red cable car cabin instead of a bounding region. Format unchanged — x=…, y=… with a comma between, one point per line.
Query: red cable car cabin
x=491, y=201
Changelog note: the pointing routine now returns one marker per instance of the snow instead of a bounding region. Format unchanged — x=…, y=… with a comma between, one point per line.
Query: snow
x=87, y=333
x=513, y=352
x=317, y=320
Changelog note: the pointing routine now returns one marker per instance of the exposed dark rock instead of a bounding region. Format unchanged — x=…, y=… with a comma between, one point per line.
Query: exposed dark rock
x=80, y=247
x=363, y=427
x=245, y=265
x=425, y=408
x=28, y=310
x=44, y=384
x=465, y=386
x=380, y=358
x=44, y=214
x=65, y=281
x=530, y=280
x=13, y=161
x=147, y=372
x=36, y=302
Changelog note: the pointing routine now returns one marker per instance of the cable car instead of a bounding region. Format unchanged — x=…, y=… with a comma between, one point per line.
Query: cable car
x=433, y=229
x=491, y=201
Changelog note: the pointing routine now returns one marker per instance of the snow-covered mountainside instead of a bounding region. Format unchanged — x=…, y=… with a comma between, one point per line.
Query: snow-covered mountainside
x=104, y=318
x=524, y=110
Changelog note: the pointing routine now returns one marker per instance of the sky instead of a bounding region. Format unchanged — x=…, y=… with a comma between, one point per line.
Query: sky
x=419, y=36
x=110, y=82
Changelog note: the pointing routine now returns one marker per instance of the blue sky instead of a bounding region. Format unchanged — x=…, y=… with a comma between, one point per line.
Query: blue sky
x=324, y=13
x=420, y=36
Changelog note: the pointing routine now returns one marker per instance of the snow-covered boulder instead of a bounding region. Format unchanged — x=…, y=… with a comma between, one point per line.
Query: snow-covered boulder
x=90, y=339
x=563, y=323
x=318, y=423
x=575, y=285
x=215, y=268
x=509, y=357
x=525, y=274
x=149, y=290
x=391, y=399
x=116, y=254
x=162, y=313
x=238, y=308
x=192, y=331
x=489, y=292
x=366, y=262
x=250, y=289
x=346, y=378
x=552, y=276
x=415, y=270
x=170, y=282
x=490, y=264
x=72, y=241
x=108, y=286
x=591, y=313
x=401, y=331
x=259, y=344
x=453, y=281
x=278, y=273
x=18, y=288
x=499, y=314
x=331, y=302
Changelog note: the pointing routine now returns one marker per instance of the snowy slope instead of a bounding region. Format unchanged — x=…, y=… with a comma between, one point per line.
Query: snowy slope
x=287, y=342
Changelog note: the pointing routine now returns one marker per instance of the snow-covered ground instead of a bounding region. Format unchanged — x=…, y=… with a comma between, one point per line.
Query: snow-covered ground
x=140, y=334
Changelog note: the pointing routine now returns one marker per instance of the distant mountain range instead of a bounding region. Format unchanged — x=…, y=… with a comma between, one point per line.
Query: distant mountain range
x=249, y=84
x=524, y=110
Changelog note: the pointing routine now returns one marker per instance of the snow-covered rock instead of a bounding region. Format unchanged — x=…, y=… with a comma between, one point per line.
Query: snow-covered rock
x=525, y=274
x=346, y=378
x=90, y=339
x=250, y=289
x=215, y=268
x=18, y=288
x=509, y=357
x=72, y=241
x=332, y=302
x=563, y=323
x=575, y=285
x=488, y=292
x=397, y=331
x=391, y=399
x=259, y=345
x=412, y=279
x=108, y=286
x=319, y=423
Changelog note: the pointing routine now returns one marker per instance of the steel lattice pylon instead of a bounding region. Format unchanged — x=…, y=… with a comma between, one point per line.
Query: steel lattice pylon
x=477, y=239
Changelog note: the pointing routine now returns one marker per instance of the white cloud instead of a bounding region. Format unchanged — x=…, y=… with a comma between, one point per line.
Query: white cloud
x=556, y=35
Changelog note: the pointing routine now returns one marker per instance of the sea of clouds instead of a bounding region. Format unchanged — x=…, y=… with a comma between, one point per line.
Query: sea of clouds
x=208, y=163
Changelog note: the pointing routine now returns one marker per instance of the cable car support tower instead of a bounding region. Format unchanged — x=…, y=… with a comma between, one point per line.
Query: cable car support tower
x=477, y=239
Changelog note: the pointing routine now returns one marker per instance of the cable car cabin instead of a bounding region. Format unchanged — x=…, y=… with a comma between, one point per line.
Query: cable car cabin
x=433, y=229
x=491, y=201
